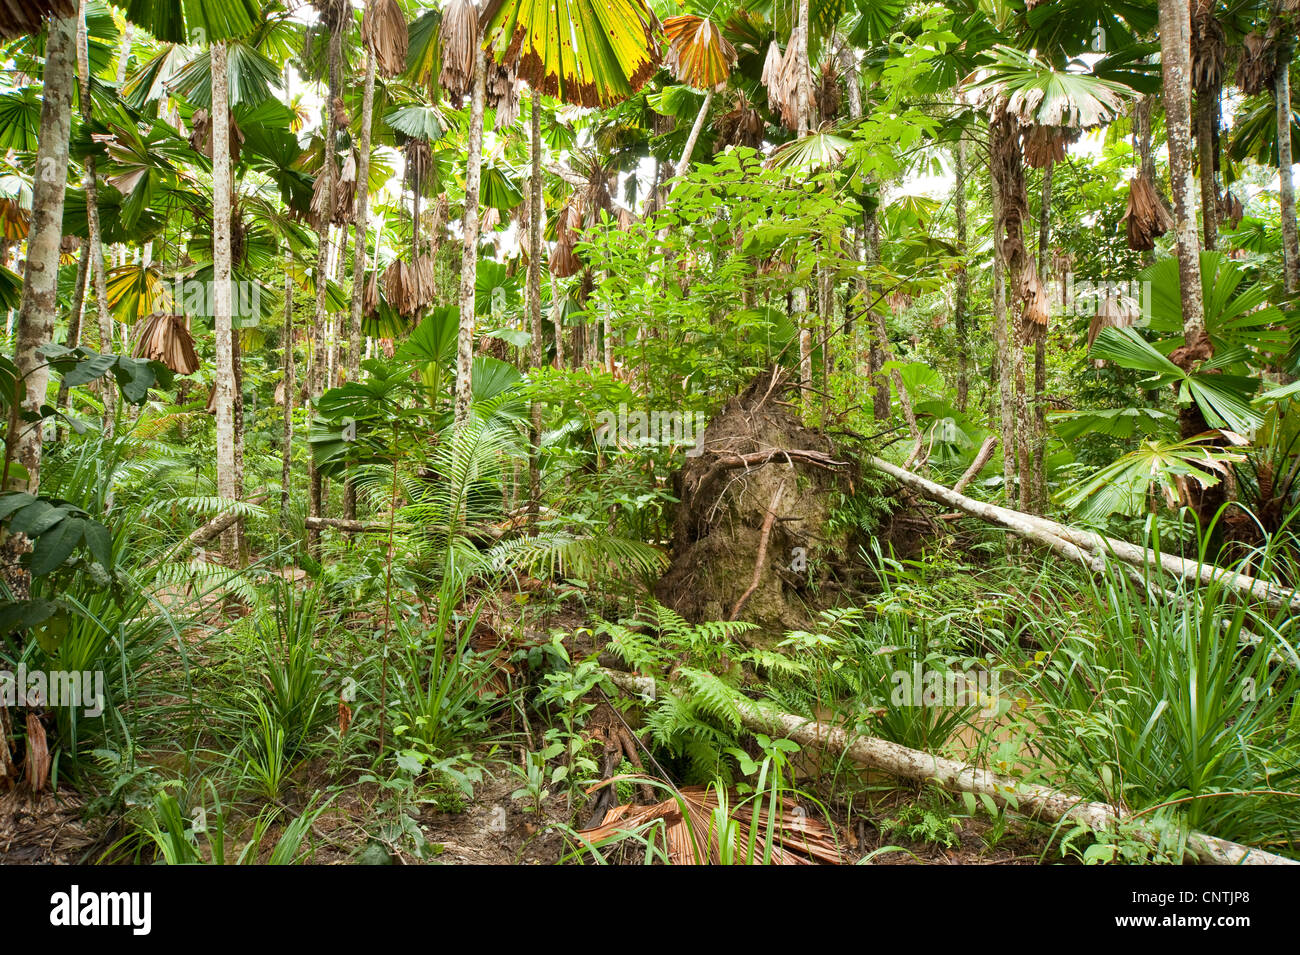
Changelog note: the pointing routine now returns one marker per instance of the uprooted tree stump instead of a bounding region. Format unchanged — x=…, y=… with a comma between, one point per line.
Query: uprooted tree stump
x=753, y=536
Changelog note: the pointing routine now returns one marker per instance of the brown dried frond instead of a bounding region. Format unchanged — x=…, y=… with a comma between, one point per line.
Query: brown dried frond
x=201, y=135
x=1033, y=293
x=1146, y=217
x=383, y=30
x=690, y=832
x=19, y=17
x=14, y=219
x=409, y=287
x=341, y=118
x=370, y=295
x=1114, y=311
x=827, y=91
x=167, y=338
x=419, y=163
x=502, y=94
x=1209, y=47
x=742, y=125
x=1230, y=210
x=1257, y=64
x=564, y=262
x=1045, y=145
x=698, y=54
x=460, y=36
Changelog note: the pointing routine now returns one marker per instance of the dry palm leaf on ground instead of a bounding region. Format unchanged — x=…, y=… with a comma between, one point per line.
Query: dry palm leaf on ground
x=166, y=338
x=689, y=824
x=1146, y=216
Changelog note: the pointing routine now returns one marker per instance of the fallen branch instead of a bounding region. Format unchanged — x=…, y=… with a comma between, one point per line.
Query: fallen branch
x=1034, y=801
x=346, y=526
x=214, y=528
x=976, y=466
x=1088, y=547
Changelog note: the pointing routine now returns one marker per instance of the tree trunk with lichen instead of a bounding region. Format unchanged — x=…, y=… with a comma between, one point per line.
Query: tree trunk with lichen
x=469, y=251
x=38, y=309
x=222, y=317
x=1011, y=208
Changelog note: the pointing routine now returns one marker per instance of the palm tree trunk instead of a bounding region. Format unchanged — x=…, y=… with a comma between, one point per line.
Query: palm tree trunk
x=290, y=386
x=557, y=322
x=1286, y=185
x=315, y=494
x=1207, y=121
x=39, y=305
x=362, y=223
x=1175, y=63
x=1012, y=204
x=470, y=229
x=95, y=240
x=359, y=253
x=1001, y=347
x=961, y=304
x=222, y=318
x=803, y=100
x=533, y=294
x=75, y=319
x=1038, y=460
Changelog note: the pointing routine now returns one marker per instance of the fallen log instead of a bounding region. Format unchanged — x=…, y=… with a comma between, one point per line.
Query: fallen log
x=346, y=526
x=1089, y=547
x=1031, y=800
x=213, y=528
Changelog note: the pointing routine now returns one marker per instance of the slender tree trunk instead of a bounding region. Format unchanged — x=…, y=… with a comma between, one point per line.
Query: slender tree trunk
x=470, y=230
x=1207, y=122
x=557, y=322
x=1006, y=414
x=533, y=296
x=684, y=166
x=1286, y=184
x=290, y=386
x=359, y=253
x=803, y=95
x=1175, y=63
x=1012, y=208
x=223, y=324
x=95, y=240
x=315, y=494
x=39, y=304
x=961, y=317
x=362, y=223
x=75, y=319
x=1038, y=462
